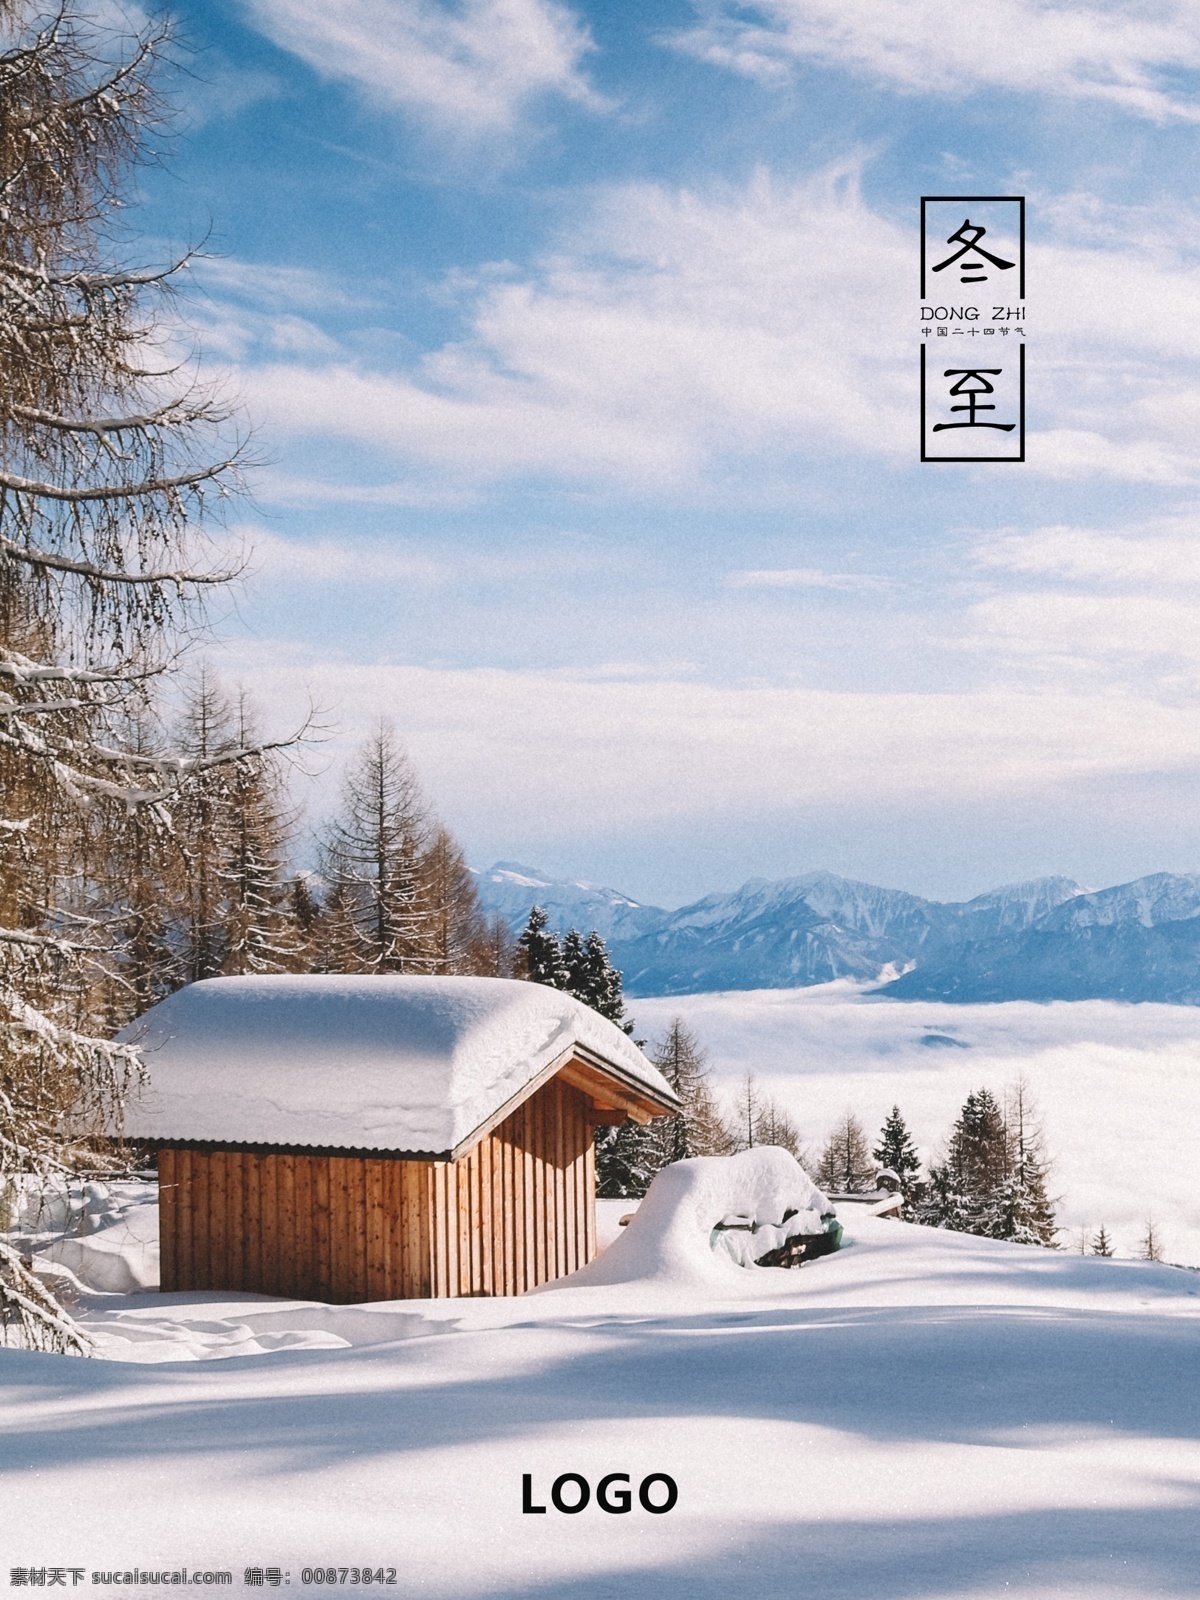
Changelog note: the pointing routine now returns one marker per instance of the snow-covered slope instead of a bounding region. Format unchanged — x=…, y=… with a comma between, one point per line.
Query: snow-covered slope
x=1045, y=939
x=513, y=890
x=817, y=927
x=919, y=1415
x=1137, y=941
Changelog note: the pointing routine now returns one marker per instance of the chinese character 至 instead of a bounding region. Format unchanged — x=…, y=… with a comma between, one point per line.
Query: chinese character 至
x=971, y=392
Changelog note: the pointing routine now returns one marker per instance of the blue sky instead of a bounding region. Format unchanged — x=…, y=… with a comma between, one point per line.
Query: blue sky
x=581, y=344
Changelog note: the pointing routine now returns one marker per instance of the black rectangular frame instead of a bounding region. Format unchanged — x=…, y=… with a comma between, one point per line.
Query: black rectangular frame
x=934, y=459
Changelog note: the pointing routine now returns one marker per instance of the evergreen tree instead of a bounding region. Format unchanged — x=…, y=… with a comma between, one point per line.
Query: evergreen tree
x=1026, y=1213
x=305, y=915
x=579, y=980
x=627, y=1158
x=897, y=1153
x=845, y=1166
x=261, y=934
x=542, y=952
x=602, y=982
x=1102, y=1244
x=993, y=1179
x=200, y=819
x=965, y=1190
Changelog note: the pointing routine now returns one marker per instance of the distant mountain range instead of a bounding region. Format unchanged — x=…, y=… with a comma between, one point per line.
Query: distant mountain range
x=1048, y=939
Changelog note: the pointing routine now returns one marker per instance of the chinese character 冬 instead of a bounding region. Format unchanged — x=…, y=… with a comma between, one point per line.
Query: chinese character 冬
x=972, y=391
x=968, y=244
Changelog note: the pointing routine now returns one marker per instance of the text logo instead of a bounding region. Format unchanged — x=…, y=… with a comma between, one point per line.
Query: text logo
x=570, y=1493
x=972, y=328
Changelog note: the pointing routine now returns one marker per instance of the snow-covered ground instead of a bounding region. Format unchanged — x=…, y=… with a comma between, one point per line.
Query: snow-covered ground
x=921, y=1414
x=1118, y=1085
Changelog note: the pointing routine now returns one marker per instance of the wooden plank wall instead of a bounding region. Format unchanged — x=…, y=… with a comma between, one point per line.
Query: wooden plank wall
x=516, y=1211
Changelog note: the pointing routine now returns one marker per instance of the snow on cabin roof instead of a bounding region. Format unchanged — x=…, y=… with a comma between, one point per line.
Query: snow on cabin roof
x=362, y=1063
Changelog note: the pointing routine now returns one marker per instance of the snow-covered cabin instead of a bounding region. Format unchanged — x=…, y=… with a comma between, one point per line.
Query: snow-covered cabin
x=376, y=1138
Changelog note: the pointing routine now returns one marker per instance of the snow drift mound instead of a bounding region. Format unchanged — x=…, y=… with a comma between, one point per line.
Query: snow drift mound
x=704, y=1217
x=104, y=1234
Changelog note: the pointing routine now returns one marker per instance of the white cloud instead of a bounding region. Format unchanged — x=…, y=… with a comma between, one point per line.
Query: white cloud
x=1161, y=553
x=337, y=559
x=468, y=69
x=1123, y=51
x=802, y=578
x=675, y=332
x=676, y=329
x=561, y=749
x=1122, y=604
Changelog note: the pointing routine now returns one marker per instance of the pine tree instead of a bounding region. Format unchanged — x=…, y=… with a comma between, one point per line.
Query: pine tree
x=845, y=1166
x=579, y=979
x=542, y=952
x=897, y=1153
x=200, y=824
x=1026, y=1211
x=305, y=916
x=993, y=1179
x=260, y=932
x=965, y=1190
x=1101, y=1244
x=627, y=1159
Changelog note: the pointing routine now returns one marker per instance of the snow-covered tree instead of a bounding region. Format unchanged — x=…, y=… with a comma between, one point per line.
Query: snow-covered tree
x=1026, y=1212
x=542, y=952
x=110, y=456
x=261, y=932
x=993, y=1178
x=897, y=1152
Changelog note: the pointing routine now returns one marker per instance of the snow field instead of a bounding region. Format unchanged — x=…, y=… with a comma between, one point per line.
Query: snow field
x=1118, y=1086
x=921, y=1414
